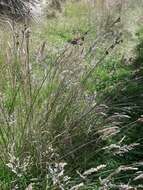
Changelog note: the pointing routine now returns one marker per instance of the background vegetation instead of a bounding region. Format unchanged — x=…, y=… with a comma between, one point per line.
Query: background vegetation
x=71, y=110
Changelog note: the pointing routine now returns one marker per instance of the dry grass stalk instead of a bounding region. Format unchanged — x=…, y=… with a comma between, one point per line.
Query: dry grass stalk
x=93, y=170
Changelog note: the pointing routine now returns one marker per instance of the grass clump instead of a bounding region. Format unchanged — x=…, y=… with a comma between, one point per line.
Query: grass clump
x=70, y=117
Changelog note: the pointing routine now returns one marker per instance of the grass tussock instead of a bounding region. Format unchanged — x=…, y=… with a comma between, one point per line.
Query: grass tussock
x=70, y=115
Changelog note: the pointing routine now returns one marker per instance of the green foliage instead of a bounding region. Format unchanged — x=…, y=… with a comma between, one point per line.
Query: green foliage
x=72, y=23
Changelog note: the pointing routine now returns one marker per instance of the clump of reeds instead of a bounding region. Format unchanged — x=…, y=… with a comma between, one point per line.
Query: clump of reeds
x=44, y=105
